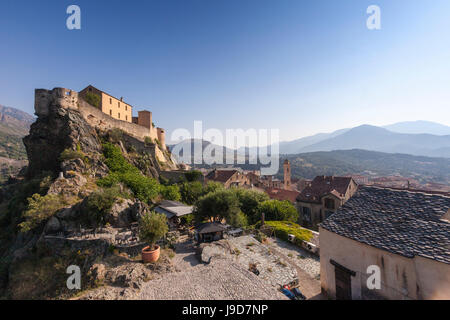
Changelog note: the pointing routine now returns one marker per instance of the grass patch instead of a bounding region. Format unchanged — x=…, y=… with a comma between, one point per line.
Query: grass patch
x=284, y=228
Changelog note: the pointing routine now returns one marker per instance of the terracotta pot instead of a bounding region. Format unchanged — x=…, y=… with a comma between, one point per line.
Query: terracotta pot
x=149, y=256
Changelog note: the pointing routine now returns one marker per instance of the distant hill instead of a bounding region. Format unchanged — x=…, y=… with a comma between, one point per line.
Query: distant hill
x=379, y=139
x=14, y=121
x=416, y=127
x=14, y=125
x=344, y=162
x=206, y=149
x=297, y=145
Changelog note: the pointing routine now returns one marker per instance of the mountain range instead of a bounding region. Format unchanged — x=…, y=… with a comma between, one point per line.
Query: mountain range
x=420, y=138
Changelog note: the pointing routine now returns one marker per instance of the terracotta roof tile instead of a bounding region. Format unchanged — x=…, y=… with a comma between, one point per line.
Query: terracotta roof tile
x=323, y=185
x=281, y=194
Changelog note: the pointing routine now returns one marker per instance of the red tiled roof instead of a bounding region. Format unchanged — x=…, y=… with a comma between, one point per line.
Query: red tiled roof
x=322, y=185
x=281, y=194
x=220, y=175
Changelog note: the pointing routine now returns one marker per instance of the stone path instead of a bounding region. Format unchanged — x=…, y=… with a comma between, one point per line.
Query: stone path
x=222, y=279
x=227, y=277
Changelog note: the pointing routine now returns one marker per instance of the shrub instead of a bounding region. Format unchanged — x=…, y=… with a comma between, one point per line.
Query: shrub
x=152, y=227
x=275, y=210
x=193, y=175
x=143, y=187
x=39, y=209
x=191, y=191
x=284, y=228
x=187, y=219
x=100, y=202
x=69, y=154
x=212, y=186
x=93, y=99
x=171, y=192
x=115, y=161
x=116, y=134
x=148, y=140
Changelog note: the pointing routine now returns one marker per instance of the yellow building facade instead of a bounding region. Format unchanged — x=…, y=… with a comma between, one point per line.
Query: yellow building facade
x=116, y=108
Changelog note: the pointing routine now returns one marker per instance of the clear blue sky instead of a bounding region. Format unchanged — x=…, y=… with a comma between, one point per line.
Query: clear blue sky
x=302, y=66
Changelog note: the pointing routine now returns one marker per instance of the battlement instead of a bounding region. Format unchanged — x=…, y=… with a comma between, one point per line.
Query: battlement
x=140, y=127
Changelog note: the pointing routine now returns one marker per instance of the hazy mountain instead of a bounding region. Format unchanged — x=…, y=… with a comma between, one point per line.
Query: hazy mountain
x=206, y=149
x=344, y=162
x=14, y=125
x=420, y=126
x=14, y=121
x=379, y=139
x=295, y=146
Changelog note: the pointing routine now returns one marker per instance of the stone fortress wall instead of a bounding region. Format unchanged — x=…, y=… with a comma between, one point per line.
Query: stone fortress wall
x=69, y=99
x=140, y=128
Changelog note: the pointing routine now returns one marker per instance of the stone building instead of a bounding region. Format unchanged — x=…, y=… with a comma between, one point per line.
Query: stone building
x=116, y=108
x=322, y=197
x=405, y=234
x=96, y=118
x=120, y=110
x=228, y=177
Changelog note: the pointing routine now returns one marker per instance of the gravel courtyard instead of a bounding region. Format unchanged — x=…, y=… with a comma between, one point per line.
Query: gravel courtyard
x=227, y=276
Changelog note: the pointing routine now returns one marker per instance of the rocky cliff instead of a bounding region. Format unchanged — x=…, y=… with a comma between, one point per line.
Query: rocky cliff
x=69, y=206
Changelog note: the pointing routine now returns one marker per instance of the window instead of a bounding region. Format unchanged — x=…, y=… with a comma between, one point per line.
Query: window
x=110, y=112
x=110, y=101
x=329, y=204
x=126, y=107
x=126, y=118
x=306, y=214
x=118, y=104
x=119, y=115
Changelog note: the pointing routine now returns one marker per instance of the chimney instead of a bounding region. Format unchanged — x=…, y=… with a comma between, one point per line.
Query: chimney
x=121, y=98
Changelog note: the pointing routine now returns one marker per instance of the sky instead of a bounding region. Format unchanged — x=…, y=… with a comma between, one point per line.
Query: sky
x=300, y=66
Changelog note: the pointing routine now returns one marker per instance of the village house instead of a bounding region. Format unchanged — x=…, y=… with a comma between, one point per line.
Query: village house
x=403, y=234
x=228, y=177
x=322, y=197
x=283, y=195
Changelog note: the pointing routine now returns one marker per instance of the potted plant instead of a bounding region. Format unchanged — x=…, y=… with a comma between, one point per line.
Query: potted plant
x=152, y=227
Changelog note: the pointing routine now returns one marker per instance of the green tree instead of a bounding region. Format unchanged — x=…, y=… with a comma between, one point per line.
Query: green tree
x=100, y=202
x=218, y=205
x=249, y=201
x=193, y=175
x=171, y=192
x=275, y=210
x=212, y=186
x=152, y=227
x=191, y=191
